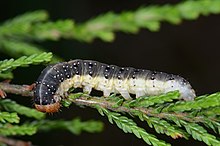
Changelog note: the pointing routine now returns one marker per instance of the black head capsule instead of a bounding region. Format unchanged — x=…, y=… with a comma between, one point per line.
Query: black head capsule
x=44, y=92
x=45, y=101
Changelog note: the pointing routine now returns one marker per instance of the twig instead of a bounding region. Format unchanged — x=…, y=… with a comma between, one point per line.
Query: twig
x=24, y=90
x=16, y=89
x=94, y=101
x=14, y=142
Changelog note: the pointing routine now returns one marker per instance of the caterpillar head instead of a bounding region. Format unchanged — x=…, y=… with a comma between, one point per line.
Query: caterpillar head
x=45, y=101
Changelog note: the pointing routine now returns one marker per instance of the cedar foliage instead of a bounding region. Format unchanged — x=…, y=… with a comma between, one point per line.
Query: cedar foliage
x=164, y=113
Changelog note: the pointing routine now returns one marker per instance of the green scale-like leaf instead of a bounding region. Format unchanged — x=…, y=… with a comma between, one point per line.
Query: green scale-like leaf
x=199, y=133
x=9, y=117
x=10, y=130
x=129, y=126
x=152, y=100
x=202, y=103
x=24, y=61
x=75, y=126
x=12, y=106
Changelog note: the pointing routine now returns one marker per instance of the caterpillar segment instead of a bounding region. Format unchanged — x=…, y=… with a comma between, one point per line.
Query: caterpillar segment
x=55, y=81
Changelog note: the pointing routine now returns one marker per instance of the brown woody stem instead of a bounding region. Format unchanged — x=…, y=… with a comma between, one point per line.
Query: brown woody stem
x=14, y=142
x=24, y=90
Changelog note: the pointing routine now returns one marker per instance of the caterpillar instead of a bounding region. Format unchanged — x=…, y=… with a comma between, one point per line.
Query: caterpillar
x=55, y=81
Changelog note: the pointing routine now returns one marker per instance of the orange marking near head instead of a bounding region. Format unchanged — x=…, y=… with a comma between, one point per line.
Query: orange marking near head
x=50, y=108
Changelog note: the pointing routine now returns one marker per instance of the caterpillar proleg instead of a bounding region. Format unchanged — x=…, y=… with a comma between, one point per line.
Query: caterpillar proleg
x=55, y=81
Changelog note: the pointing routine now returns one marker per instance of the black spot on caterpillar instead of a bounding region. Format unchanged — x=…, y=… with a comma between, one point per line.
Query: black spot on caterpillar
x=55, y=81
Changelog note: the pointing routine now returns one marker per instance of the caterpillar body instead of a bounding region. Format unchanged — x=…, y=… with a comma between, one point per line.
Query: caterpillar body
x=55, y=81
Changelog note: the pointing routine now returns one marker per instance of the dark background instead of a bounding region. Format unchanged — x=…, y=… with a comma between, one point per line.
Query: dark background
x=190, y=49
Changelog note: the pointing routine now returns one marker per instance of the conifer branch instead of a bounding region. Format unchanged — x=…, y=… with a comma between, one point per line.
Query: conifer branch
x=129, y=126
x=205, y=102
x=199, y=133
x=109, y=103
x=35, y=25
x=209, y=112
x=9, y=117
x=215, y=126
x=21, y=25
x=12, y=106
x=10, y=130
x=162, y=126
x=163, y=121
x=19, y=48
x=165, y=113
x=146, y=101
x=18, y=34
x=16, y=89
x=104, y=26
x=24, y=61
x=53, y=30
x=14, y=142
x=75, y=126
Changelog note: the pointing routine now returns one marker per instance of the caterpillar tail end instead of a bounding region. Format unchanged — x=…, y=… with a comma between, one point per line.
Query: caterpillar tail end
x=50, y=108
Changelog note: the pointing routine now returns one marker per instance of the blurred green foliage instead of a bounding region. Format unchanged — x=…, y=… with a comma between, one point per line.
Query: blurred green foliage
x=18, y=37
